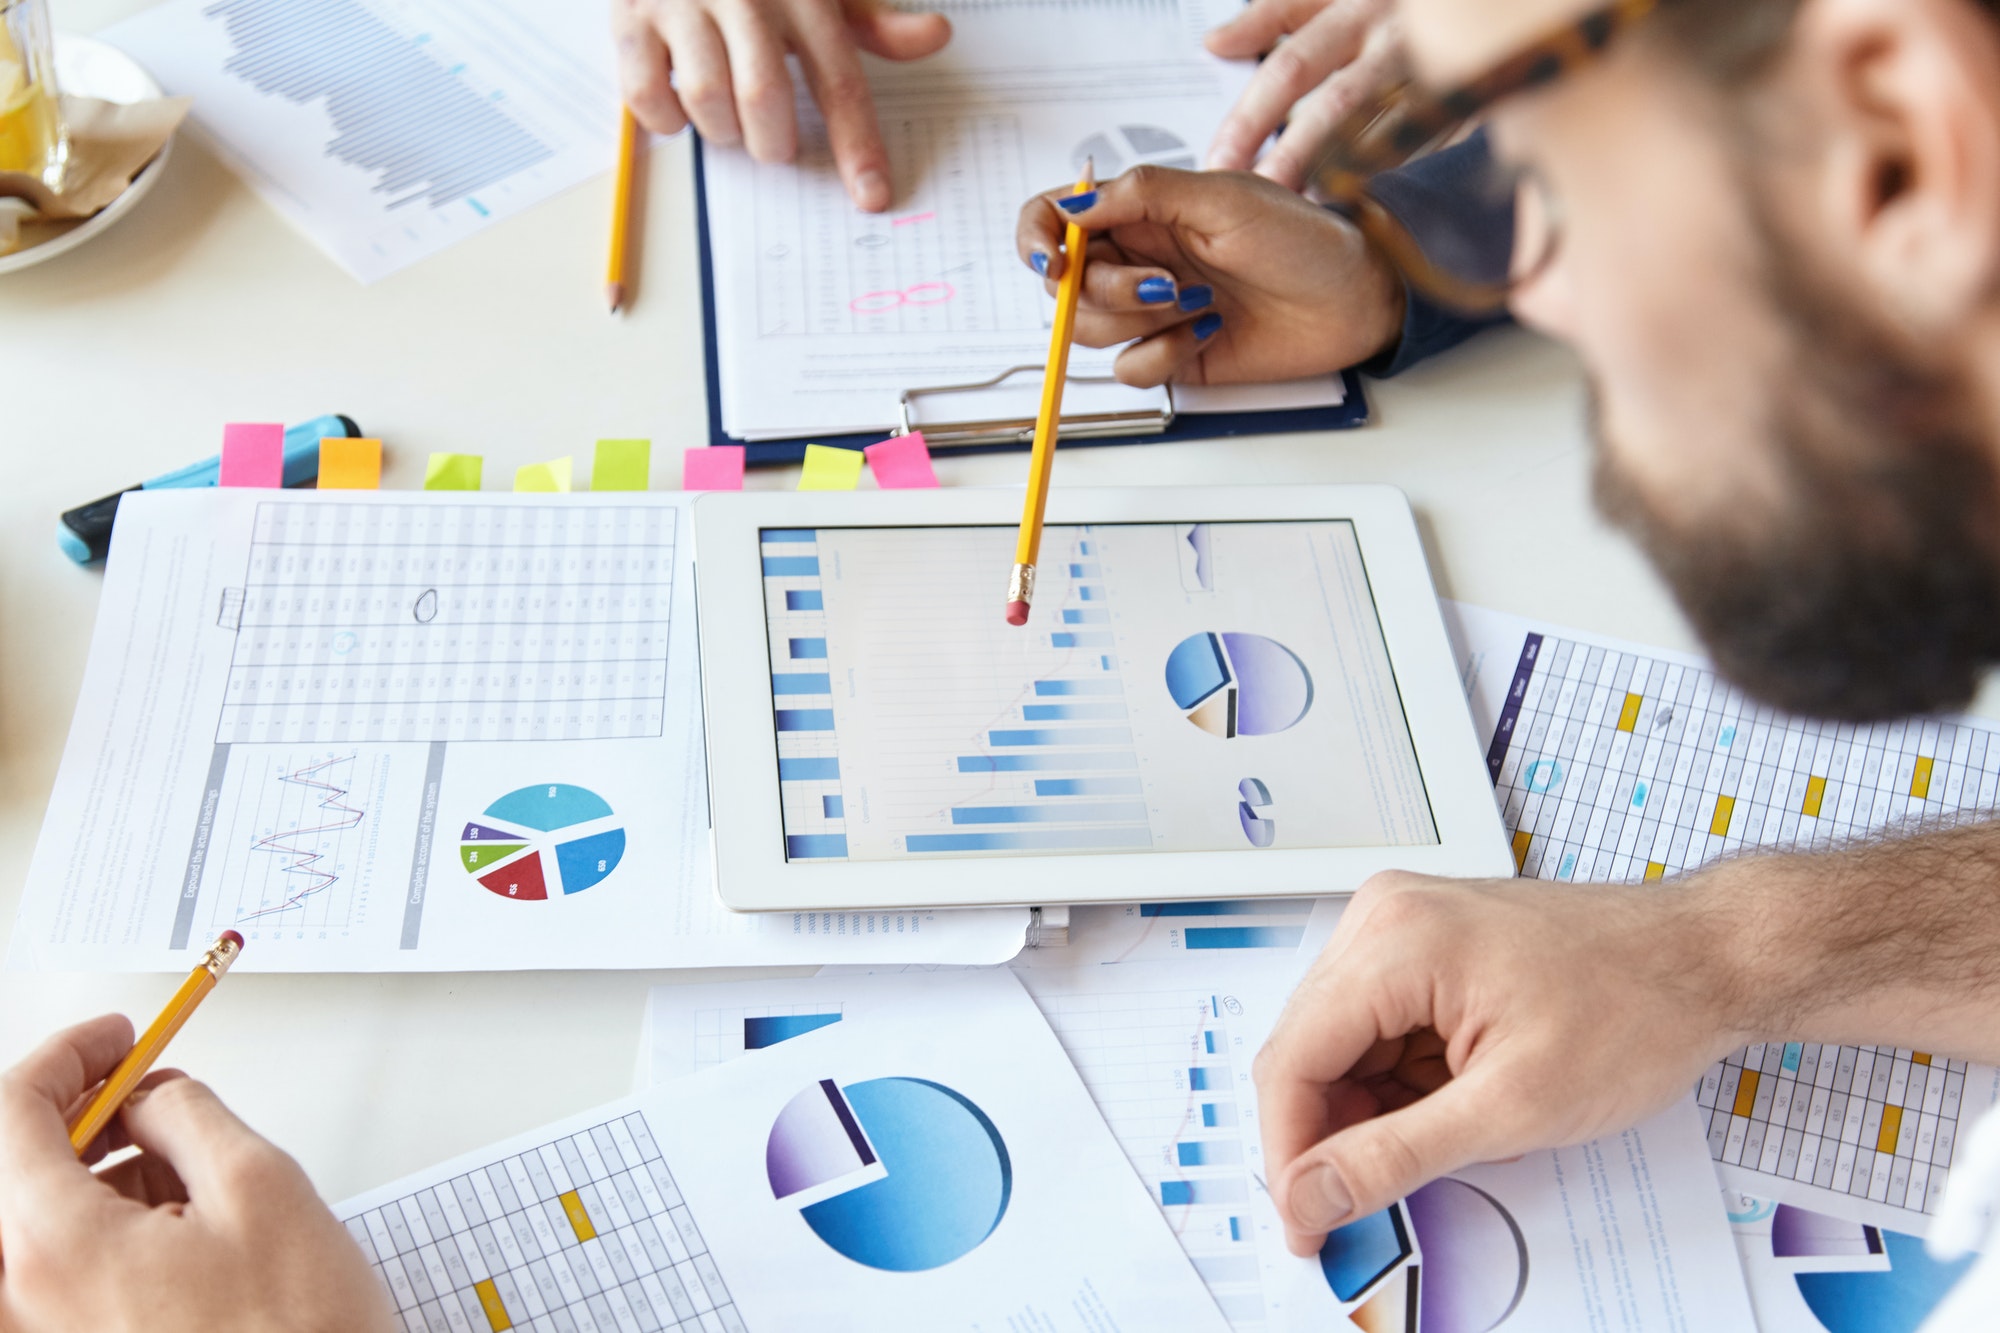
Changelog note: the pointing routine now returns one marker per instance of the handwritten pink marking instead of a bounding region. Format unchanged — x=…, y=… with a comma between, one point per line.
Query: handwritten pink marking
x=914, y=217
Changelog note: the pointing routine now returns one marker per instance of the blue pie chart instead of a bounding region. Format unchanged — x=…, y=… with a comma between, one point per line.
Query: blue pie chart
x=1234, y=685
x=907, y=1175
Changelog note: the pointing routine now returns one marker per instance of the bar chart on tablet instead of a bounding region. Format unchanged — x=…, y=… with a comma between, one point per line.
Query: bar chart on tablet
x=1050, y=765
x=388, y=129
x=1179, y=686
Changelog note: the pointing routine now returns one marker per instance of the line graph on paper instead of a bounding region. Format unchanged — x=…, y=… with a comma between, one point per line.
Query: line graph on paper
x=297, y=837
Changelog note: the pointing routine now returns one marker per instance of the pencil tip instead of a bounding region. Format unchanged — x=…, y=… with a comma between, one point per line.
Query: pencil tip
x=615, y=293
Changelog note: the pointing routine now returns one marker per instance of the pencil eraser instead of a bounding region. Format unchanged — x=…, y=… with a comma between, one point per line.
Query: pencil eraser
x=1017, y=613
x=234, y=939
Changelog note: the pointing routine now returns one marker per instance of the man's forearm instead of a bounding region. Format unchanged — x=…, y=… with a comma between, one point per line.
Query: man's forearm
x=1891, y=942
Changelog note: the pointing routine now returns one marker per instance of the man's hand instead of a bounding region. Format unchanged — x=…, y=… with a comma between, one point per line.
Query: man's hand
x=1334, y=56
x=1224, y=278
x=209, y=1229
x=1449, y=1023
x=721, y=64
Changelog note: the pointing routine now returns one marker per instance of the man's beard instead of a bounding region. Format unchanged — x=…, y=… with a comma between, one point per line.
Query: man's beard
x=1872, y=588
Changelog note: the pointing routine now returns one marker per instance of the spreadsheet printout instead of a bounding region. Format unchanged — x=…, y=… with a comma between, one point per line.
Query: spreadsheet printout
x=937, y=1167
x=408, y=731
x=1625, y=764
x=387, y=130
x=824, y=314
x=1165, y=1050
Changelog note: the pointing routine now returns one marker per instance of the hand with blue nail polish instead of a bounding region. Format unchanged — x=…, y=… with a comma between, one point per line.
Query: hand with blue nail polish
x=1216, y=278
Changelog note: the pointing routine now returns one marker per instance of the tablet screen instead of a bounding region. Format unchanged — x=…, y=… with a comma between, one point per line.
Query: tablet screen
x=1178, y=687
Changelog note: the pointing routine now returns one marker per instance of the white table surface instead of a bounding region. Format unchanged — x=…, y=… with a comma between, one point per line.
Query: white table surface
x=123, y=358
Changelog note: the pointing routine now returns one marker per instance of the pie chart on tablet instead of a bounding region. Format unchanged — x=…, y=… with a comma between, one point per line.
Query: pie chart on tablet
x=897, y=1174
x=1234, y=685
x=540, y=843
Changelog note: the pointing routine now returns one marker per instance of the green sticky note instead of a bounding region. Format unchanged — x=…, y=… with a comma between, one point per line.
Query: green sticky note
x=830, y=469
x=622, y=465
x=555, y=475
x=453, y=472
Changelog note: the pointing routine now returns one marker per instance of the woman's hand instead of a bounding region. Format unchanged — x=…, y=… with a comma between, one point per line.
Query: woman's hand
x=1223, y=277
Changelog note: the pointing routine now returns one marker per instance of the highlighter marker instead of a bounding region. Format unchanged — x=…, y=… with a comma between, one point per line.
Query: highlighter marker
x=85, y=532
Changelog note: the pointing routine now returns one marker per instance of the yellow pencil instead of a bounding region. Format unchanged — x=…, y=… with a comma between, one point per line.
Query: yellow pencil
x=1021, y=586
x=138, y=1061
x=621, y=207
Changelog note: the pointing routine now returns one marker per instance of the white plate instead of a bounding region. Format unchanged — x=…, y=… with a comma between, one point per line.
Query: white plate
x=86, y=67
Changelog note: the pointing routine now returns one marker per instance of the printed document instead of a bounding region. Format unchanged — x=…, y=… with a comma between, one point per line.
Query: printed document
x=936, y=1166
x=1625, y=1234
x=417, y=731
x=825, y=314
x=386, y=130
x=1619, y=763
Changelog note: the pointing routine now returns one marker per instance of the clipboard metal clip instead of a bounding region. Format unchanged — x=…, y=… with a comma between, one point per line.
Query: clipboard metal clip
x=1085, y=426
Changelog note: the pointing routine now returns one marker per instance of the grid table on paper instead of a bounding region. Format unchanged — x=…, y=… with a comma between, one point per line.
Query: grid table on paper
x=1613, y=766
x=584, y=1234
x=368, y=622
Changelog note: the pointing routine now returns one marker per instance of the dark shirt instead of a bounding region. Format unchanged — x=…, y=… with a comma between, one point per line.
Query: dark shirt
x=1444, y=183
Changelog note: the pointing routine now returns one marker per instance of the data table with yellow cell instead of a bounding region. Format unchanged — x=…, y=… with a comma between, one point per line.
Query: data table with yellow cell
x=585, y=1234
x=1617, y=765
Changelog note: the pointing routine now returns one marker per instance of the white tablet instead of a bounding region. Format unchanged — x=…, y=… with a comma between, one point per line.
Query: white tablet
x=1221, y=693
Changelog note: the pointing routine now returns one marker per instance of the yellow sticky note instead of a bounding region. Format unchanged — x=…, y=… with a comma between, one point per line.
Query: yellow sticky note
x=551, y=476
x=350, y=465
x=622, y=465
x=830, y=469
x=453, y=472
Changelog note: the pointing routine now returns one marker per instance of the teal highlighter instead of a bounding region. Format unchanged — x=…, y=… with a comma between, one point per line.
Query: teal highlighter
x=85, y=532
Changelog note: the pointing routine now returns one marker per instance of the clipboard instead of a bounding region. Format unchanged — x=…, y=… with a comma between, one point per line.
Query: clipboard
x=997, y=436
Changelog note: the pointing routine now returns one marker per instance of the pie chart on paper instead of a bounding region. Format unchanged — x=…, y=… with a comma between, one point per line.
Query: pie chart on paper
x=542, y=842
x=897, y=1174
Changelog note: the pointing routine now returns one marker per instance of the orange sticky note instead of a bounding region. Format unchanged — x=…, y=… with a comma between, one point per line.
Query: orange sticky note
x=902, y=463
x=350, y=465
x=253, y=454
x=719, y=467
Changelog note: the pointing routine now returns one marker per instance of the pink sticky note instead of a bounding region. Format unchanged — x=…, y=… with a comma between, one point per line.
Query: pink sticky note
x=902, y=463
x=719, y=467
x=253, y=454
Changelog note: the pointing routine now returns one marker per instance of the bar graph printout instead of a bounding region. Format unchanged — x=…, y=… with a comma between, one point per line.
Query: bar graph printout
x=1618, y=763
x=1180, y=687
x=931, y=1168
x=386, y=130
x=1165, y=1050
x=386, y=731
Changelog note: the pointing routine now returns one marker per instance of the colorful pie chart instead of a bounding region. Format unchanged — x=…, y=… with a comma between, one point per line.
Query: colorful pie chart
x=898, y=1174
x=542, y=842
x=1234, y=685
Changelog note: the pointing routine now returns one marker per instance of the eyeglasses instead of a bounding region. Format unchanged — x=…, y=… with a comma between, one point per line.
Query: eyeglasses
x=1437, y=247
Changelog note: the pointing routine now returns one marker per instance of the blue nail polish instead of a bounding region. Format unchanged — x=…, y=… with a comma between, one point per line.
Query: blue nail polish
x=1198, y=297
x=1040, y=260
x=1076, y=203
x=1205, y=327
x=1156, y=291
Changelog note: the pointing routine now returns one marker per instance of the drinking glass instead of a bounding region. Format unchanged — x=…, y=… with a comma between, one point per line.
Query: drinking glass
x=32, y=139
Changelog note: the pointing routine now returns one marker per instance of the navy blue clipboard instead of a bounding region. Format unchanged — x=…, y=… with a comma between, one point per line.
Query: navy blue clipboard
x=1349, y=414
